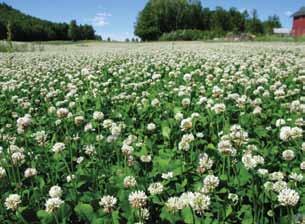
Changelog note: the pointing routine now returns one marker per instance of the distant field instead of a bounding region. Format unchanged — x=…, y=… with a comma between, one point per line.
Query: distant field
x=64, y=45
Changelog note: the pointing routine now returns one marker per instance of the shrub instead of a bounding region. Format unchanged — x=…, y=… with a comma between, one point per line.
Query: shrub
x=190, y=35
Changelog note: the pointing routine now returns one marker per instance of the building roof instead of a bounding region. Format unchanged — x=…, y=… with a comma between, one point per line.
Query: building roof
x=301, y=12
x=281, y=31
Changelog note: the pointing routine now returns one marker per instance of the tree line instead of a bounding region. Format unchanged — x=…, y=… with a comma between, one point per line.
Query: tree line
x=27, y=28
x=164, y=16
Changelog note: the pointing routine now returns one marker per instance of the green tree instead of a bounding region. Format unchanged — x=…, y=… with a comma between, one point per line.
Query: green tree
x=147, y=27
x=73, y=31
x=254, y=24
x=87, y=32
x=27, y=28
x=206, y=19
x=9, y=36
x=2, y=31
x=165, y=16
x=237, y=22
x=271, y=23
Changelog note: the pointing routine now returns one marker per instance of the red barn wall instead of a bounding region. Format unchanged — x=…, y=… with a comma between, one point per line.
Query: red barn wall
x=298, y=28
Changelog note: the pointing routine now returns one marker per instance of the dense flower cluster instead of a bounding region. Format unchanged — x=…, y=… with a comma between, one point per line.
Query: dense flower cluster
x=153, y=133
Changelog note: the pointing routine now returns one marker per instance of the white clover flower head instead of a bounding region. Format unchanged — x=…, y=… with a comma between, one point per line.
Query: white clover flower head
x=115, y=130
x=52, y=204
x=287, y=133
x=280, y=122
x=279, y=186
x=127, y=149
x=137, y=199
x=155, y=102
x=144, y=214
x=12, y=202
x=151, y=127
x=296, y=177
x=80, y=159
x=107, y=123
x=155, y=188
x=18, y=158
x=2, y=172
x=186, y=102
x=174, y=204
x=233, y=197
x=276, y=176
x=225, y=147
x=145, y=158
x=130, y=182
x=178, y=116
x=78, y=120
x=205, y=163
x=187, y=77
x=263, y=172
x=58, y=147
x=187, y=198
x=89, y=150
x=200, y=202
x=62, y=112
x=302, y=165
x=288, y=197
x=167, y=175
x=199, y=135
x=88, y=127
x=257, y=110
x=98, y=116
x=288, y=155
x=238, y=136
x=24, y=122
x=219, y=108
x=30, y=172
x=184, y=144
x=70, y=177
x=55, y=191
x=40, y=137
x=210, y=182
x=186, y=124
x=108, y=203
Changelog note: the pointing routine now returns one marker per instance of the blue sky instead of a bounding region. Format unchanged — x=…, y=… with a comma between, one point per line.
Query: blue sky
x=116, y=18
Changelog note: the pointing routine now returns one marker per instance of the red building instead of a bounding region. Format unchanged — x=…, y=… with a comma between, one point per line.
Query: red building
x=298, y=28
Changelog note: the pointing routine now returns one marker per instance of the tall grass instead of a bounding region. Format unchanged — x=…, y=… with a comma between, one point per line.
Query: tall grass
x=280, y=38
x=6, y=46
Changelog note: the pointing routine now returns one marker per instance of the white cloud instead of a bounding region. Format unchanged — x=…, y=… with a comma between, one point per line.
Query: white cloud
x=288, y=13
x=101, y=19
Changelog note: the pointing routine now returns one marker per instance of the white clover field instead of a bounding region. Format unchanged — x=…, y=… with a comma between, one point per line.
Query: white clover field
x=195, y=133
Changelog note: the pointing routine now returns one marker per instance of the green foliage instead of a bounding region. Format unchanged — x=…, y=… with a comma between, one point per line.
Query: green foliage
x=45, y=217
x=147, y=25
x=189, y=35
x=253, y=24
x=147, y=120
x=84, y=212
x=271, y=23
x=27, y=28
x=161, y=17
x=9, y=46
x=277, y=38
x=73, y=32
x=165, y=130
